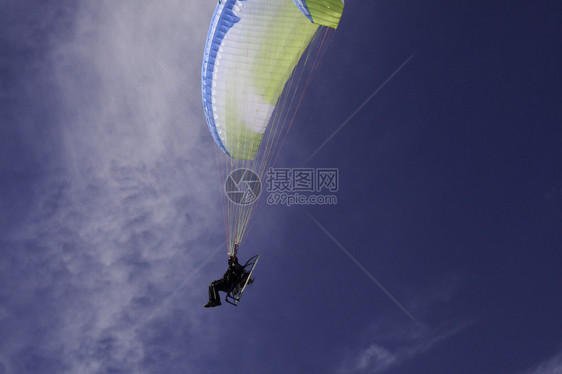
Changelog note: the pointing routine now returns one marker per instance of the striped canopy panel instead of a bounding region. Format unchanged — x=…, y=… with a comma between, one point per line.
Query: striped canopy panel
x=252, y=49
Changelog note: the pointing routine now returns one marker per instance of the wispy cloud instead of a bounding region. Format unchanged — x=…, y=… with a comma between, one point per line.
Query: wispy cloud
x=387, y=342
x=400, y=346
x=551, y=366
x=375, y=358
x=130, y=207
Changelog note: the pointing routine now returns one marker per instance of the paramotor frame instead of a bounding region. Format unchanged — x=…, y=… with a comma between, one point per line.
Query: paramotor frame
x=235, y=294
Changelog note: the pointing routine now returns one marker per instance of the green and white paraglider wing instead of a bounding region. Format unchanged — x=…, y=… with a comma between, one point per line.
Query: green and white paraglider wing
x=252, y=49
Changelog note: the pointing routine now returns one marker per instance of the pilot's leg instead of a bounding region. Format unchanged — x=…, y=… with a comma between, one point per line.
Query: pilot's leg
x=214, y=298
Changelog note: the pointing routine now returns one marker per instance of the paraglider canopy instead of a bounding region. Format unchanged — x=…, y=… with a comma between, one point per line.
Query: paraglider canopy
x=252, y=49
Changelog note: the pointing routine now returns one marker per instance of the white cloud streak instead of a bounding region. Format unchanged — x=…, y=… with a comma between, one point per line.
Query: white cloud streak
x=128, y=210
x=406, y=344
x=551, y=366
x=388, y=342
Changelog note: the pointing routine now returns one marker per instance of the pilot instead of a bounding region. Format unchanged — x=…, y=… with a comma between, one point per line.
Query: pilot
x=233, y=275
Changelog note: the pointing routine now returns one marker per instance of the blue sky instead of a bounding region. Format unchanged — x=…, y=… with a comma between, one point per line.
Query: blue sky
x=450, y=197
